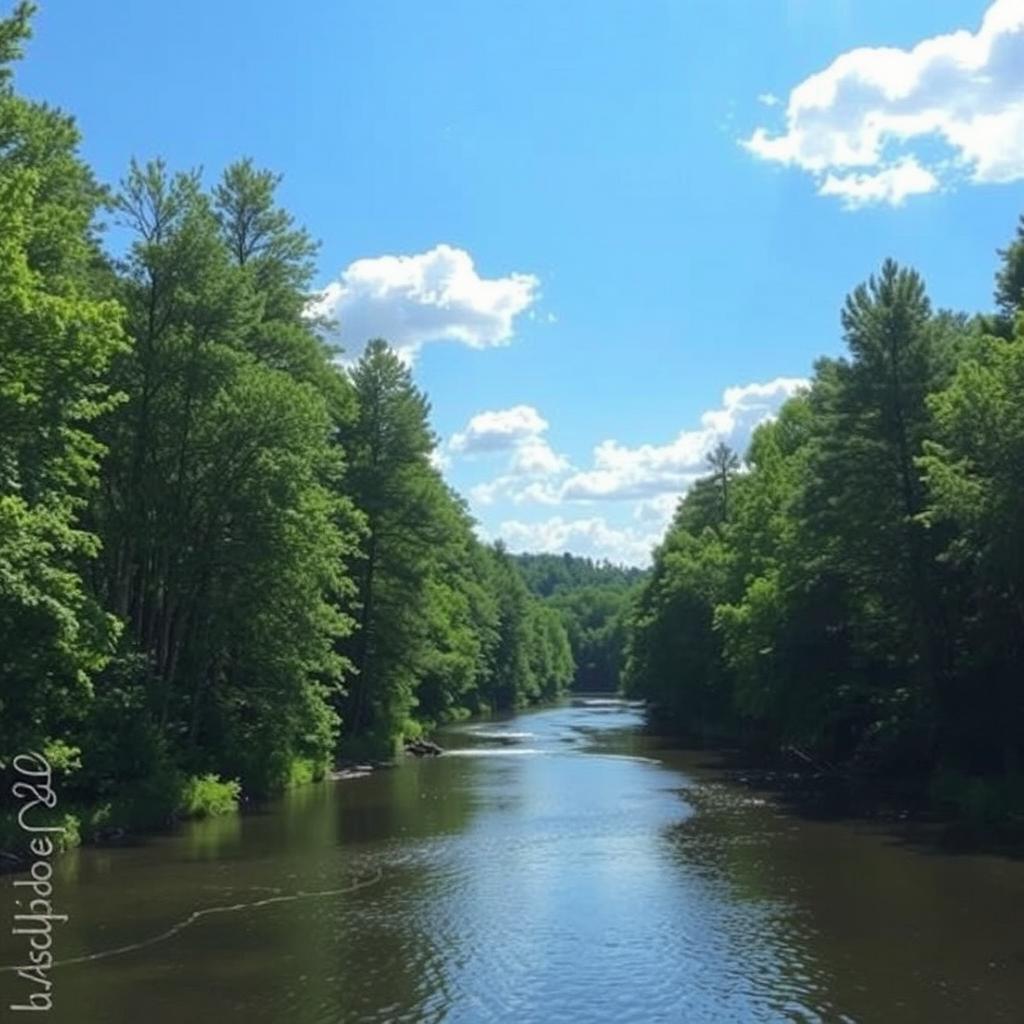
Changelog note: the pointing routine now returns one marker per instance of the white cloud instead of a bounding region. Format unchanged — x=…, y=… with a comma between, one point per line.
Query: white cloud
x=768, y=99
x=432, y=296
x=653, y=477
x=440, y=460
x=518, y=432
x=657, y=510
x=499, y=430
x=892, y=186
x=621, y=472
x=516, y=488
x=533, y=456
x=878, y=112
x=593, y=537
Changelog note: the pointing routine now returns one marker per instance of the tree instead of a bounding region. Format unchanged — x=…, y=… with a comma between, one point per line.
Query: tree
x=1010, y=278
x=56, y=341
x=395, y=487
x=861, y=505
x=225, y=538
x=723, y=463
x=973, y=474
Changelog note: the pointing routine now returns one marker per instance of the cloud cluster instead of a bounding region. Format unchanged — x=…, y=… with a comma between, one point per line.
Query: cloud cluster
x=432, y=296
x=651, y=477
x=518, y=433
x=499, y=430
x=622, y=472
x=866, y=127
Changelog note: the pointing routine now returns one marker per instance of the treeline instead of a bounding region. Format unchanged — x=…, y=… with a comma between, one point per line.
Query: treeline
x=592, y=598
x=225, y=561
x=856, y=589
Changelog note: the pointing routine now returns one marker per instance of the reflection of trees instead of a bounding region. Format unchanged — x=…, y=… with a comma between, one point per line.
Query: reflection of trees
x=749, y=921
x=384, y=954
x=374, y=955
x=838, y=920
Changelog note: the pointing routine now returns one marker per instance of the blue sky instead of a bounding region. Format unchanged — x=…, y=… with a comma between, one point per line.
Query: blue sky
x=605, y=234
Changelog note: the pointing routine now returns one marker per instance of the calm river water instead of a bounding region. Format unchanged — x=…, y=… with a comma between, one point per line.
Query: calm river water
x=552, y=868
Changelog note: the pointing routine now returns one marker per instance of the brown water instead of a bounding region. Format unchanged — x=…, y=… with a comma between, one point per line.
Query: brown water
x=551, y=869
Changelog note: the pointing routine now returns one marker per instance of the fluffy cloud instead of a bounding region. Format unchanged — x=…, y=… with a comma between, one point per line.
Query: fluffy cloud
x=535, y=457
x=593, y=537
x=651, y=476
x=518, y=432
x=866, y=126
x=893, y=185
x=656, y=511
x=621, y=472
x=500, y=430
x=433, y=296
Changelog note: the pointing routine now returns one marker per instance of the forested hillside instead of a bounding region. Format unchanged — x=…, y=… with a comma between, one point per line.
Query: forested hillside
x=855, y=588
x=592, y=599
x=225, y=560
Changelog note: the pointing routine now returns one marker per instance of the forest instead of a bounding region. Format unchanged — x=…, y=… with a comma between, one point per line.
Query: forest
x=852, y=589
x=226, y=559
x=593, y=600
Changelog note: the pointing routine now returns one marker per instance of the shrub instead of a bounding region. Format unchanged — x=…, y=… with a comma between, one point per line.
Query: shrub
x=204, y=796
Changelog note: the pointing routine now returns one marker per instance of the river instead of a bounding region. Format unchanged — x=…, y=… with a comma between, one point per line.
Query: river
x=551, y=868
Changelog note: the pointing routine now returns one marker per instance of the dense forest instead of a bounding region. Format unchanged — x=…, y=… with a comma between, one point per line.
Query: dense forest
x=854, y=589
x=593, y=599
x=226, y=560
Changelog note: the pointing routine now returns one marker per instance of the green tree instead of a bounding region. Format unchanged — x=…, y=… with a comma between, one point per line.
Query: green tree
x=393, y=484
x=56, y=341
x=1010, y=278
x=724, y=464
x=225, y=540
x=973, y=473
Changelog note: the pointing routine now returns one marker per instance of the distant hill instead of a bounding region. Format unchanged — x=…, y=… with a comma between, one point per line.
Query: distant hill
x=547, y=575
x=593, y=599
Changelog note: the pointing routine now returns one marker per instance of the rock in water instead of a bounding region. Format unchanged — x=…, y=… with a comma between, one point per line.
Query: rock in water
x=422, y=748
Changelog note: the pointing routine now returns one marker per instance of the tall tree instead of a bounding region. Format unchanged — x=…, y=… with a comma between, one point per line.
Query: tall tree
x=56, y=342
x=723, y=463
x=863, y=499
x=975, y=484
x=393, y=484
x=224, y=538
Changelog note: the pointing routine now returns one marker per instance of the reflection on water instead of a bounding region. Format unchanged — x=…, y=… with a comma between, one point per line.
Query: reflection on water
x=554, y=867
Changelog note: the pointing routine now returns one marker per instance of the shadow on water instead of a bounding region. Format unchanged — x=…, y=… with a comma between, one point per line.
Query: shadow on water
x=893, y=810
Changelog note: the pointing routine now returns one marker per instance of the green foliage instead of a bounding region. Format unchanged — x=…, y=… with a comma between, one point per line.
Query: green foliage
x=57, y=339
x=205, y=796
x=591, y=599
x=858, y=591
x=547, y=575
x=1010, y=278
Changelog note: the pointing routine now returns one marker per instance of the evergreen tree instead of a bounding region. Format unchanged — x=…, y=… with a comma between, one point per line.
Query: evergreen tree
x=393, y=484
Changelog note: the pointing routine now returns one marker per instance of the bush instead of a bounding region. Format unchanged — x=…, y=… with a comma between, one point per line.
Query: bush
x=302, y=771
x=14, y=840
x=204, y=796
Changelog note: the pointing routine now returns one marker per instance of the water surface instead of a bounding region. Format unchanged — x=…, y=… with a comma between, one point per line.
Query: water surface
x=553, y=867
